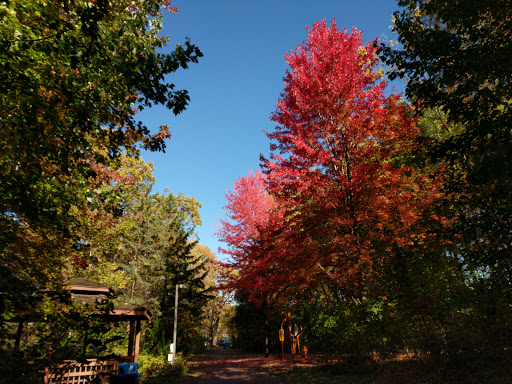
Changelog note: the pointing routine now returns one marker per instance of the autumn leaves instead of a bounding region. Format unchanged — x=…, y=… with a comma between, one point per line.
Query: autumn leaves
x=337, y=197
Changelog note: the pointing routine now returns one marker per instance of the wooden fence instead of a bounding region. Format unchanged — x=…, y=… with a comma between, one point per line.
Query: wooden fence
x=73, y=372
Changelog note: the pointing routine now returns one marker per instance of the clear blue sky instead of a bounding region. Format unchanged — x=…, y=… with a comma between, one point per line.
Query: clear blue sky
x=235, y=86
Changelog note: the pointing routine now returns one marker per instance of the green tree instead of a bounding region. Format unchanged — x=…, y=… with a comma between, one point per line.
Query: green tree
x=179, y=266
x=455, y=56
x=145, y=250
x=72, y=75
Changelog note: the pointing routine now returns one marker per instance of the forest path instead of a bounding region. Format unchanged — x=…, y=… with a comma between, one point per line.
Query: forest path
x=226, y=365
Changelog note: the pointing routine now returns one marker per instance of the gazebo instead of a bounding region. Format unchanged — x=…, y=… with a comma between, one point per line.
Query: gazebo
x=85, y=291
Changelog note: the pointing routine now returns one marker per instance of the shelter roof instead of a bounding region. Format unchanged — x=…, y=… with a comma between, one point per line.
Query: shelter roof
x=80, y=284
x=88, y=292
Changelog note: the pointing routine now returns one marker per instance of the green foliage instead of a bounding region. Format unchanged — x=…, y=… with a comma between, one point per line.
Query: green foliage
x=72, y=76
x=249, y=325
x=455, y=54
x=178, y=266
x=57, y=330
x=252, y=323
x=72, y=73
x=145, y=252
x=457, y=290
x=156, y=368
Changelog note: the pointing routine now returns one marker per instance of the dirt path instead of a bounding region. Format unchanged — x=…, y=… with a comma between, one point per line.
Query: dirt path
x=219, y=366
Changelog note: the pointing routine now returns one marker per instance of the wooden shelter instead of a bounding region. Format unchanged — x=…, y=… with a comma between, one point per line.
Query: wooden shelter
x=89, y=292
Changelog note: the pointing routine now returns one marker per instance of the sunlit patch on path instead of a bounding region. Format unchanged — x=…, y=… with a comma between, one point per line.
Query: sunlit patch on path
x=230, y=366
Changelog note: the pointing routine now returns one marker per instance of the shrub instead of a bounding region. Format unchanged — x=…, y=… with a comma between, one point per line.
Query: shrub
x=158, y=367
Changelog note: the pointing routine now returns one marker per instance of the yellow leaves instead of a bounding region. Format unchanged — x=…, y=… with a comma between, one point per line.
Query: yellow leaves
x=136, y=168
x=6, y=11
x=190, y=206
x=108, y=273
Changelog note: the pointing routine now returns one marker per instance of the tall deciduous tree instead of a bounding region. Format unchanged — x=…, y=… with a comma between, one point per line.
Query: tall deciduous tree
x=215, y=311
x=253, y=218
x=252, y=214
x=73, y=74
x=336, y=165
x=456, y=56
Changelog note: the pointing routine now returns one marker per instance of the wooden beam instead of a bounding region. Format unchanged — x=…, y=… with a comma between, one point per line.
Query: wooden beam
x=130, y=338
x=87, y=288
x=134, y=313
x=137, y=342
x=18, y=336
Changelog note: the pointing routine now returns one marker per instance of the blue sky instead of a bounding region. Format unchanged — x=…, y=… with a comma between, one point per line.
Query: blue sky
x=235, y=86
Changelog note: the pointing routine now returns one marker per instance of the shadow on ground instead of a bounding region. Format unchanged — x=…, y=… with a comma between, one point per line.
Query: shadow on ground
x=218, y=365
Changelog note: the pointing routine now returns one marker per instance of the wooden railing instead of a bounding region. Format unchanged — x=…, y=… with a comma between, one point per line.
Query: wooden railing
x=73, y=372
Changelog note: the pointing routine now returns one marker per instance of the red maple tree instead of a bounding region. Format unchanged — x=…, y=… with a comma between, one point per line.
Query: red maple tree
x=336, y=198
x=336, y=168
x=252, y=216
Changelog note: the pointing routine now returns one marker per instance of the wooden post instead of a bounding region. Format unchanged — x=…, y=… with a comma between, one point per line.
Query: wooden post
x=18, y=336
x=130, y=338
x=137, y=342
x=84, y=349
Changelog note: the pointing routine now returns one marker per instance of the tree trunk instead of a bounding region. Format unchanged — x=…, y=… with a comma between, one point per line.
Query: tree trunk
x=215, y=331
x=267, y=331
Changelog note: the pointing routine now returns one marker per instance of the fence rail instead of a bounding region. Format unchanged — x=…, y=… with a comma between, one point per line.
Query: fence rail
x=74, y=372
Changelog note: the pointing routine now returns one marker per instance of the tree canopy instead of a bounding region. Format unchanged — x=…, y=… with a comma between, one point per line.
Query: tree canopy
x=73, y=76
x=75, y=196
x=387, y=223
x=456, y=58
x=336, y=197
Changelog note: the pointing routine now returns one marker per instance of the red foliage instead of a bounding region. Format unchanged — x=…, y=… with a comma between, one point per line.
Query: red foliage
x=348, y=199
x=78, y=261
x=248, y=208
x=338, y=199
x=252, y=213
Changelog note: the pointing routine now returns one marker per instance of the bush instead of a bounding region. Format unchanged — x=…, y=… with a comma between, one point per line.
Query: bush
x=158, y=367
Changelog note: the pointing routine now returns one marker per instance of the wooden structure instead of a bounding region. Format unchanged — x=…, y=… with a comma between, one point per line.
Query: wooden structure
x=85, y=291
x=73, y=372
